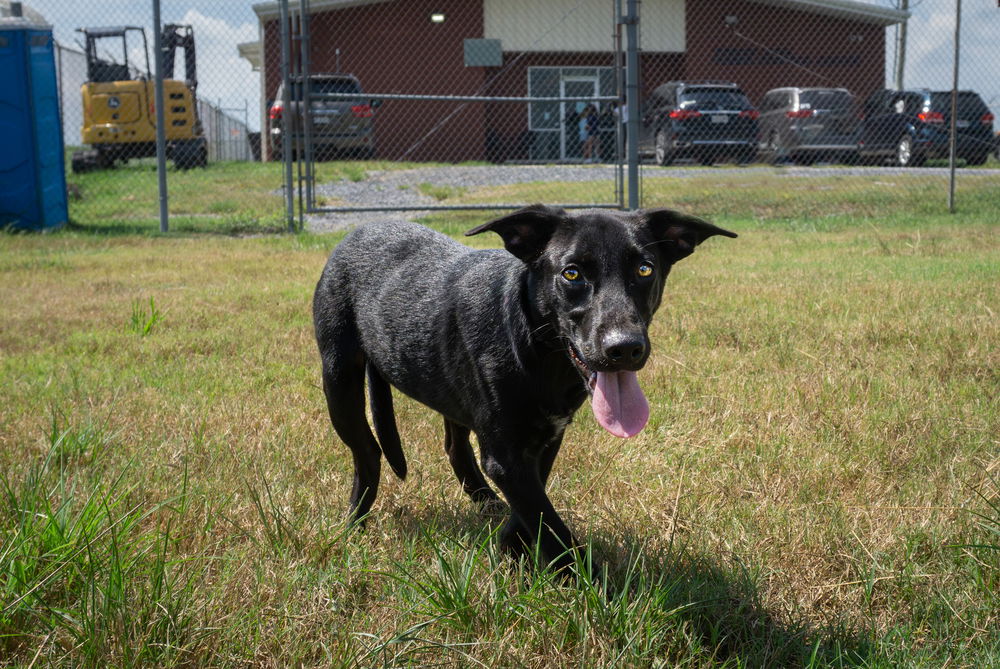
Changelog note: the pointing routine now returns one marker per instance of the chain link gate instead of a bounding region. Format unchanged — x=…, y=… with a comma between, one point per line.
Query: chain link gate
x=482, y=105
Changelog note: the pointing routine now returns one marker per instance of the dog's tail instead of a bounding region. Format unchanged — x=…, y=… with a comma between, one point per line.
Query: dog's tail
x=380, y=398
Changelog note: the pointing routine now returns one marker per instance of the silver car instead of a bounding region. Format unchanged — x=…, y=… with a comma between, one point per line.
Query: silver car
x=809, y=124
x=338, y=125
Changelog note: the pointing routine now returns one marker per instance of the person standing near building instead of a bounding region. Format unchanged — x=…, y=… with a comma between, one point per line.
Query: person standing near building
x=589, y=124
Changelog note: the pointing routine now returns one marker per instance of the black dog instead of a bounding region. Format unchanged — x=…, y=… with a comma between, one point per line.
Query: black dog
x=507, y=344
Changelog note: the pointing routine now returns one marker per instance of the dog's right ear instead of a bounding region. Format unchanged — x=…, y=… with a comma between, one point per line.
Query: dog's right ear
x=527, y=231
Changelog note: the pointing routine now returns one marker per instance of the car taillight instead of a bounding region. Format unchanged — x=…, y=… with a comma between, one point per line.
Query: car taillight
x=752, y=114
x=987, y=119
x=275, y=112
x=362, y=111
x=802, y=113
x=684, y=114
x=931, y=117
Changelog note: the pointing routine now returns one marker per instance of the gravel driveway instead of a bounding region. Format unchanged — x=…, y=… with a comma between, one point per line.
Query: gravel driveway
x=399, y=188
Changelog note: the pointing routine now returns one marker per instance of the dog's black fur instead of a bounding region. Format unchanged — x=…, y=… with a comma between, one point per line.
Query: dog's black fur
x=503, y=343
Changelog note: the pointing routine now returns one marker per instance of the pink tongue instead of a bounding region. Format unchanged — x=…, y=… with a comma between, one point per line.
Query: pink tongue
x=618, y=403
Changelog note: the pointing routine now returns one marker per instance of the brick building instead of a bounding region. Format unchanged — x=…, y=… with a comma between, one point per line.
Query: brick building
x=561, y=48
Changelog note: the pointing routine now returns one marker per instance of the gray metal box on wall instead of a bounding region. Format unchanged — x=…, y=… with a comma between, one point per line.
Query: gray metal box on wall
x=483, y=53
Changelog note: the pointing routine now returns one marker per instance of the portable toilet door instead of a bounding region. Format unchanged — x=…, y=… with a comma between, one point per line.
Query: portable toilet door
x=32, y=162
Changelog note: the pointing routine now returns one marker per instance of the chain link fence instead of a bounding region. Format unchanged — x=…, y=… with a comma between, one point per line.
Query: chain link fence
x=514, y=92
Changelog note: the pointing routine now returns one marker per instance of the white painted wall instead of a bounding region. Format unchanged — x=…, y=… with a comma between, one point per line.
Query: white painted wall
x=579, y=25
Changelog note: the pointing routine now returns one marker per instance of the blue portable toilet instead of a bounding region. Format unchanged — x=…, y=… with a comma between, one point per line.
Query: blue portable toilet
x=32, y=164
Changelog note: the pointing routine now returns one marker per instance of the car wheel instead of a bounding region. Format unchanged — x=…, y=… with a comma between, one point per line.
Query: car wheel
x=772, y=148
x=772, y=142
x=904, y=152
x=661, y=152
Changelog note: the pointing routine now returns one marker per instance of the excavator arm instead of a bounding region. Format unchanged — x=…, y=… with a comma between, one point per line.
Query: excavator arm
x=177, y=36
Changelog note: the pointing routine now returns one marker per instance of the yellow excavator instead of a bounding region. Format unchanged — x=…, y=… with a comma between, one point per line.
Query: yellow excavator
x=119, y=111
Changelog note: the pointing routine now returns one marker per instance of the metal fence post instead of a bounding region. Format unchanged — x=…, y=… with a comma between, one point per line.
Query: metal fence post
x=161, y=134
x=953, y=140
x=632, y=101
x=305, y=68
x=287, y=115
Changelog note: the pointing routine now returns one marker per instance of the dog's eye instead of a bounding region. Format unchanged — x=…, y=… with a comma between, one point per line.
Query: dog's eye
x=571, y=274
x=644, y=270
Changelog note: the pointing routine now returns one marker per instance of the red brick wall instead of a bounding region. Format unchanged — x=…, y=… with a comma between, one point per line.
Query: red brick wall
x=832, y=52
x=393, y=47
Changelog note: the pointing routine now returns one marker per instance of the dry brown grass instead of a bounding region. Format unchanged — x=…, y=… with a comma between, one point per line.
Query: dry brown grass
x=825, y=411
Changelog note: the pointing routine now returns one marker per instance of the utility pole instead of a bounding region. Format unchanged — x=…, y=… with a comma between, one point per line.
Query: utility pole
x=904, y=5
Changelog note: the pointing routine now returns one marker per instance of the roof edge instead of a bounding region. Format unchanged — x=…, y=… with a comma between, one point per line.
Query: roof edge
x=847, y=9
x=271, y=10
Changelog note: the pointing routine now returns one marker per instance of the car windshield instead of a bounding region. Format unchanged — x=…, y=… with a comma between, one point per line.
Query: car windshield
x=835, y=100
x=713, y=98
x=970, y=105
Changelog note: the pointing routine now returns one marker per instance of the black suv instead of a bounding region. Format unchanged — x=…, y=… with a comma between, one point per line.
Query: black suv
x=338, y=124
x=913, y=125
x=703, y=120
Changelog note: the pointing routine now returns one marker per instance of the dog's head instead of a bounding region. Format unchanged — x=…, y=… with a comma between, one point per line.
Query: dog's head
x=598, y=277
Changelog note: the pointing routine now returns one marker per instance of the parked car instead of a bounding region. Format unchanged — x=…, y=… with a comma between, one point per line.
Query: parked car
x=702, y=120
x=338, y=125
x=809, y=124
x=910, y=126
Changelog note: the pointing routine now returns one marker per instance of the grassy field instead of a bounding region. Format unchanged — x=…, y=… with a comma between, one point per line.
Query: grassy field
x=226, y=198
x=819, y=484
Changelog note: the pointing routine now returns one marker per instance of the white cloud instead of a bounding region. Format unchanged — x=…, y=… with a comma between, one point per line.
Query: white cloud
x=222, y=75
x=930, y=48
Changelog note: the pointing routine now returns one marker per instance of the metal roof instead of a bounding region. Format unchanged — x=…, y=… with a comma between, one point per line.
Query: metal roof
x=843, y=9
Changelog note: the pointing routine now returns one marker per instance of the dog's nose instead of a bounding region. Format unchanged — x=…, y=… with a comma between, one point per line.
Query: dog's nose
x=624, y=349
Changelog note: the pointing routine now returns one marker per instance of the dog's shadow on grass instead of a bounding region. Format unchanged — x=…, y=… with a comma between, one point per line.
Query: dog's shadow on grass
x=710, y=603
x=722, y=604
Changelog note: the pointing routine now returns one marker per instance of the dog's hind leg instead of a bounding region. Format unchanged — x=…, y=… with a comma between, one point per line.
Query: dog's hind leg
x=384, y=418
x=344, y=386
x=463, y=461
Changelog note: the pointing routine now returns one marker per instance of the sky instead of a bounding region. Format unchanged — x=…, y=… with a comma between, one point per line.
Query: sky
x=219, y=25
x=931, y=45
x=225, y=77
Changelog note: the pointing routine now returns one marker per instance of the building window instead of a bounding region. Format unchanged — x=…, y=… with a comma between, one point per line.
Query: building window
x=779, y=57
x=734, y=56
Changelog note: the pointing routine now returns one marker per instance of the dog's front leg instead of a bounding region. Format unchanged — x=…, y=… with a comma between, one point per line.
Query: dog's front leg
x=533, y=518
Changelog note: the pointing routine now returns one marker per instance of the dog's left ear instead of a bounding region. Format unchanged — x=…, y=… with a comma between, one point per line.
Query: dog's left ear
x=526, y=232
x=681, y=232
